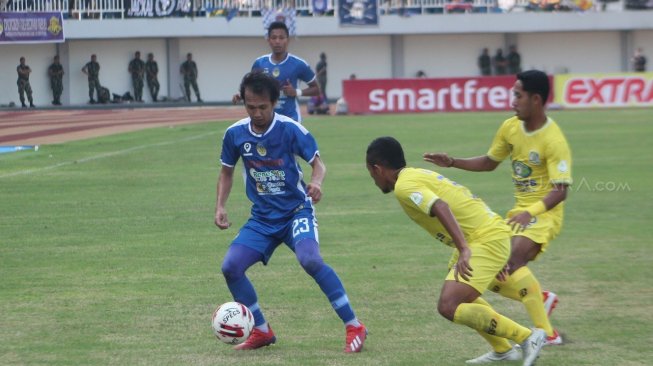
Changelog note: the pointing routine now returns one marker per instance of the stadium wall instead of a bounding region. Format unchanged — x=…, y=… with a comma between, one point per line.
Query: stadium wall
x=552, y=45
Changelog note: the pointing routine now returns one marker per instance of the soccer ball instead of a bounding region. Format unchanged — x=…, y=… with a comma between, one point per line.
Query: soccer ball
x=232, y=323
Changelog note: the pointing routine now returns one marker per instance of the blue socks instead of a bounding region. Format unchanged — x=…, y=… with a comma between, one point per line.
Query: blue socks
x=330, y=284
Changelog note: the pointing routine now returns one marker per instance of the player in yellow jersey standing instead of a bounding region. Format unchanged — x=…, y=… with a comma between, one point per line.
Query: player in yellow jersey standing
x=541, y=172
x=481, y=241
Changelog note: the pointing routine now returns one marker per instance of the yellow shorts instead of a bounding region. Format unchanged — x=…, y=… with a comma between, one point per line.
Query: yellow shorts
x=543, y=227
x=487, y=259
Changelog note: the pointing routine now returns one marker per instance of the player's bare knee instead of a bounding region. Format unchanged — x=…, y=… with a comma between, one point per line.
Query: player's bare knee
x=447, y=308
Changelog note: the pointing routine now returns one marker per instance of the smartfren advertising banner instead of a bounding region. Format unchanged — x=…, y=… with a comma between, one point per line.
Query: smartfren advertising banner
x=428, y=95
x=604, y=90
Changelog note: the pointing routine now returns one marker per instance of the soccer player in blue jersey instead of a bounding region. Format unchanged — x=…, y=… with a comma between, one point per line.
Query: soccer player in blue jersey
x=288, y=69
x=282, y=206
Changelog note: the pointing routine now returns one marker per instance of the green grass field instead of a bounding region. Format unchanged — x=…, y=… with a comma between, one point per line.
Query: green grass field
x=109, y=255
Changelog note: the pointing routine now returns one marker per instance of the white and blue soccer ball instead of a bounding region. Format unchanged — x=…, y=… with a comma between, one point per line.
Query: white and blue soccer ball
x=232, y=323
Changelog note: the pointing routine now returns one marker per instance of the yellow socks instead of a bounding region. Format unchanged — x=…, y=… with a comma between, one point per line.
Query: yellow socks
x=484, y=319
x=499, y=345
x=523, y=286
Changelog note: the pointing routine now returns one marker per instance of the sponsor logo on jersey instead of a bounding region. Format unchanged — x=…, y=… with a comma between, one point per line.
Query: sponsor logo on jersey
x=520, y=169
x=248, y=147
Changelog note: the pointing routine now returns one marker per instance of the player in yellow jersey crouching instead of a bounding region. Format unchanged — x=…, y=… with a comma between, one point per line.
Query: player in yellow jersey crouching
x=541, y=174
x=454, y=216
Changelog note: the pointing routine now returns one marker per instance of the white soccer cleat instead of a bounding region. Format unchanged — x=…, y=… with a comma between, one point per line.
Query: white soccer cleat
x=512, y=355
x=532, y=346
x=550, y=301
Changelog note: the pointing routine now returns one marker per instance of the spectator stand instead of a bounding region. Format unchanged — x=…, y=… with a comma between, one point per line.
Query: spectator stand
x=106, y=9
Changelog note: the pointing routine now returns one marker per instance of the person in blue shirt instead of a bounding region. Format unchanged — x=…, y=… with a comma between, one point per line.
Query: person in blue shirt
x=282, y=205
x=288, y=69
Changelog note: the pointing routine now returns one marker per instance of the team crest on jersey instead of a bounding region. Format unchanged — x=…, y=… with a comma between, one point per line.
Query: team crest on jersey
x=521, y=169
x=276, y=72
x=534, y=158
x=261, y=150
x=416, y=197
x=248, y=147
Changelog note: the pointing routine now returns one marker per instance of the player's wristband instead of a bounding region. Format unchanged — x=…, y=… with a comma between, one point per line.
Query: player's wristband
x=298, y=92
x=536, y=208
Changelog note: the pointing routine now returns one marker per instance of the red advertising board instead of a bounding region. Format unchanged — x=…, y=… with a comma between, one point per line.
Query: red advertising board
x=428, y=95
x=604, y=90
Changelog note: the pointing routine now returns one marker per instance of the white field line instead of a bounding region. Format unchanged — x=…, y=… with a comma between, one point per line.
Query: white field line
x=105, y=155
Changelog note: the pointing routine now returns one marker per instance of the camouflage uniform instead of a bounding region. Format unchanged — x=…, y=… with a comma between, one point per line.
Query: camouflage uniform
x=55, y=71
x=137, y=69
x=151, y=74
x=23, y=85
x=93, y=70
x=189, y=69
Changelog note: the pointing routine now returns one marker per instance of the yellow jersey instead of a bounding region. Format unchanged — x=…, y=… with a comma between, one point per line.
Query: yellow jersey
x=418, y=189
x=539, y=159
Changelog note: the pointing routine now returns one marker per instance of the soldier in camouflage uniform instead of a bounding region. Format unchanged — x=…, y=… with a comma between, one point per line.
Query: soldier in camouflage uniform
x=152, y=76
x=137, y=70
x=55, y=71
x=23, y=83
x=92, y=70
x=189, y=70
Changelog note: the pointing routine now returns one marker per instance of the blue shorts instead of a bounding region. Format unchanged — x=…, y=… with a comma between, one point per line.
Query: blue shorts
x=264, y=236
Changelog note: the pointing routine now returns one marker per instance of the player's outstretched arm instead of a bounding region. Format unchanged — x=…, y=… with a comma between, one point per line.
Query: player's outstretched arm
x=481, y=163
x=314, y=188
x=225, y=182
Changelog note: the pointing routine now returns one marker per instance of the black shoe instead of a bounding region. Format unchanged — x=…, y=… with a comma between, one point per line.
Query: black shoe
x=199, y=100
x=92, y=101
x=31, y=105
x=24, y=105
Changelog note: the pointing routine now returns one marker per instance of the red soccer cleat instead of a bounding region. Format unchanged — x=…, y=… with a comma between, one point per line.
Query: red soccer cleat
x=257, y=339
x=554, y=340
x=550, y=301
x=355, y=338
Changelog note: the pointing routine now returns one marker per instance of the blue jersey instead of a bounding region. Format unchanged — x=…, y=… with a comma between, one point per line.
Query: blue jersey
x=291, y=69
x=273, y=177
